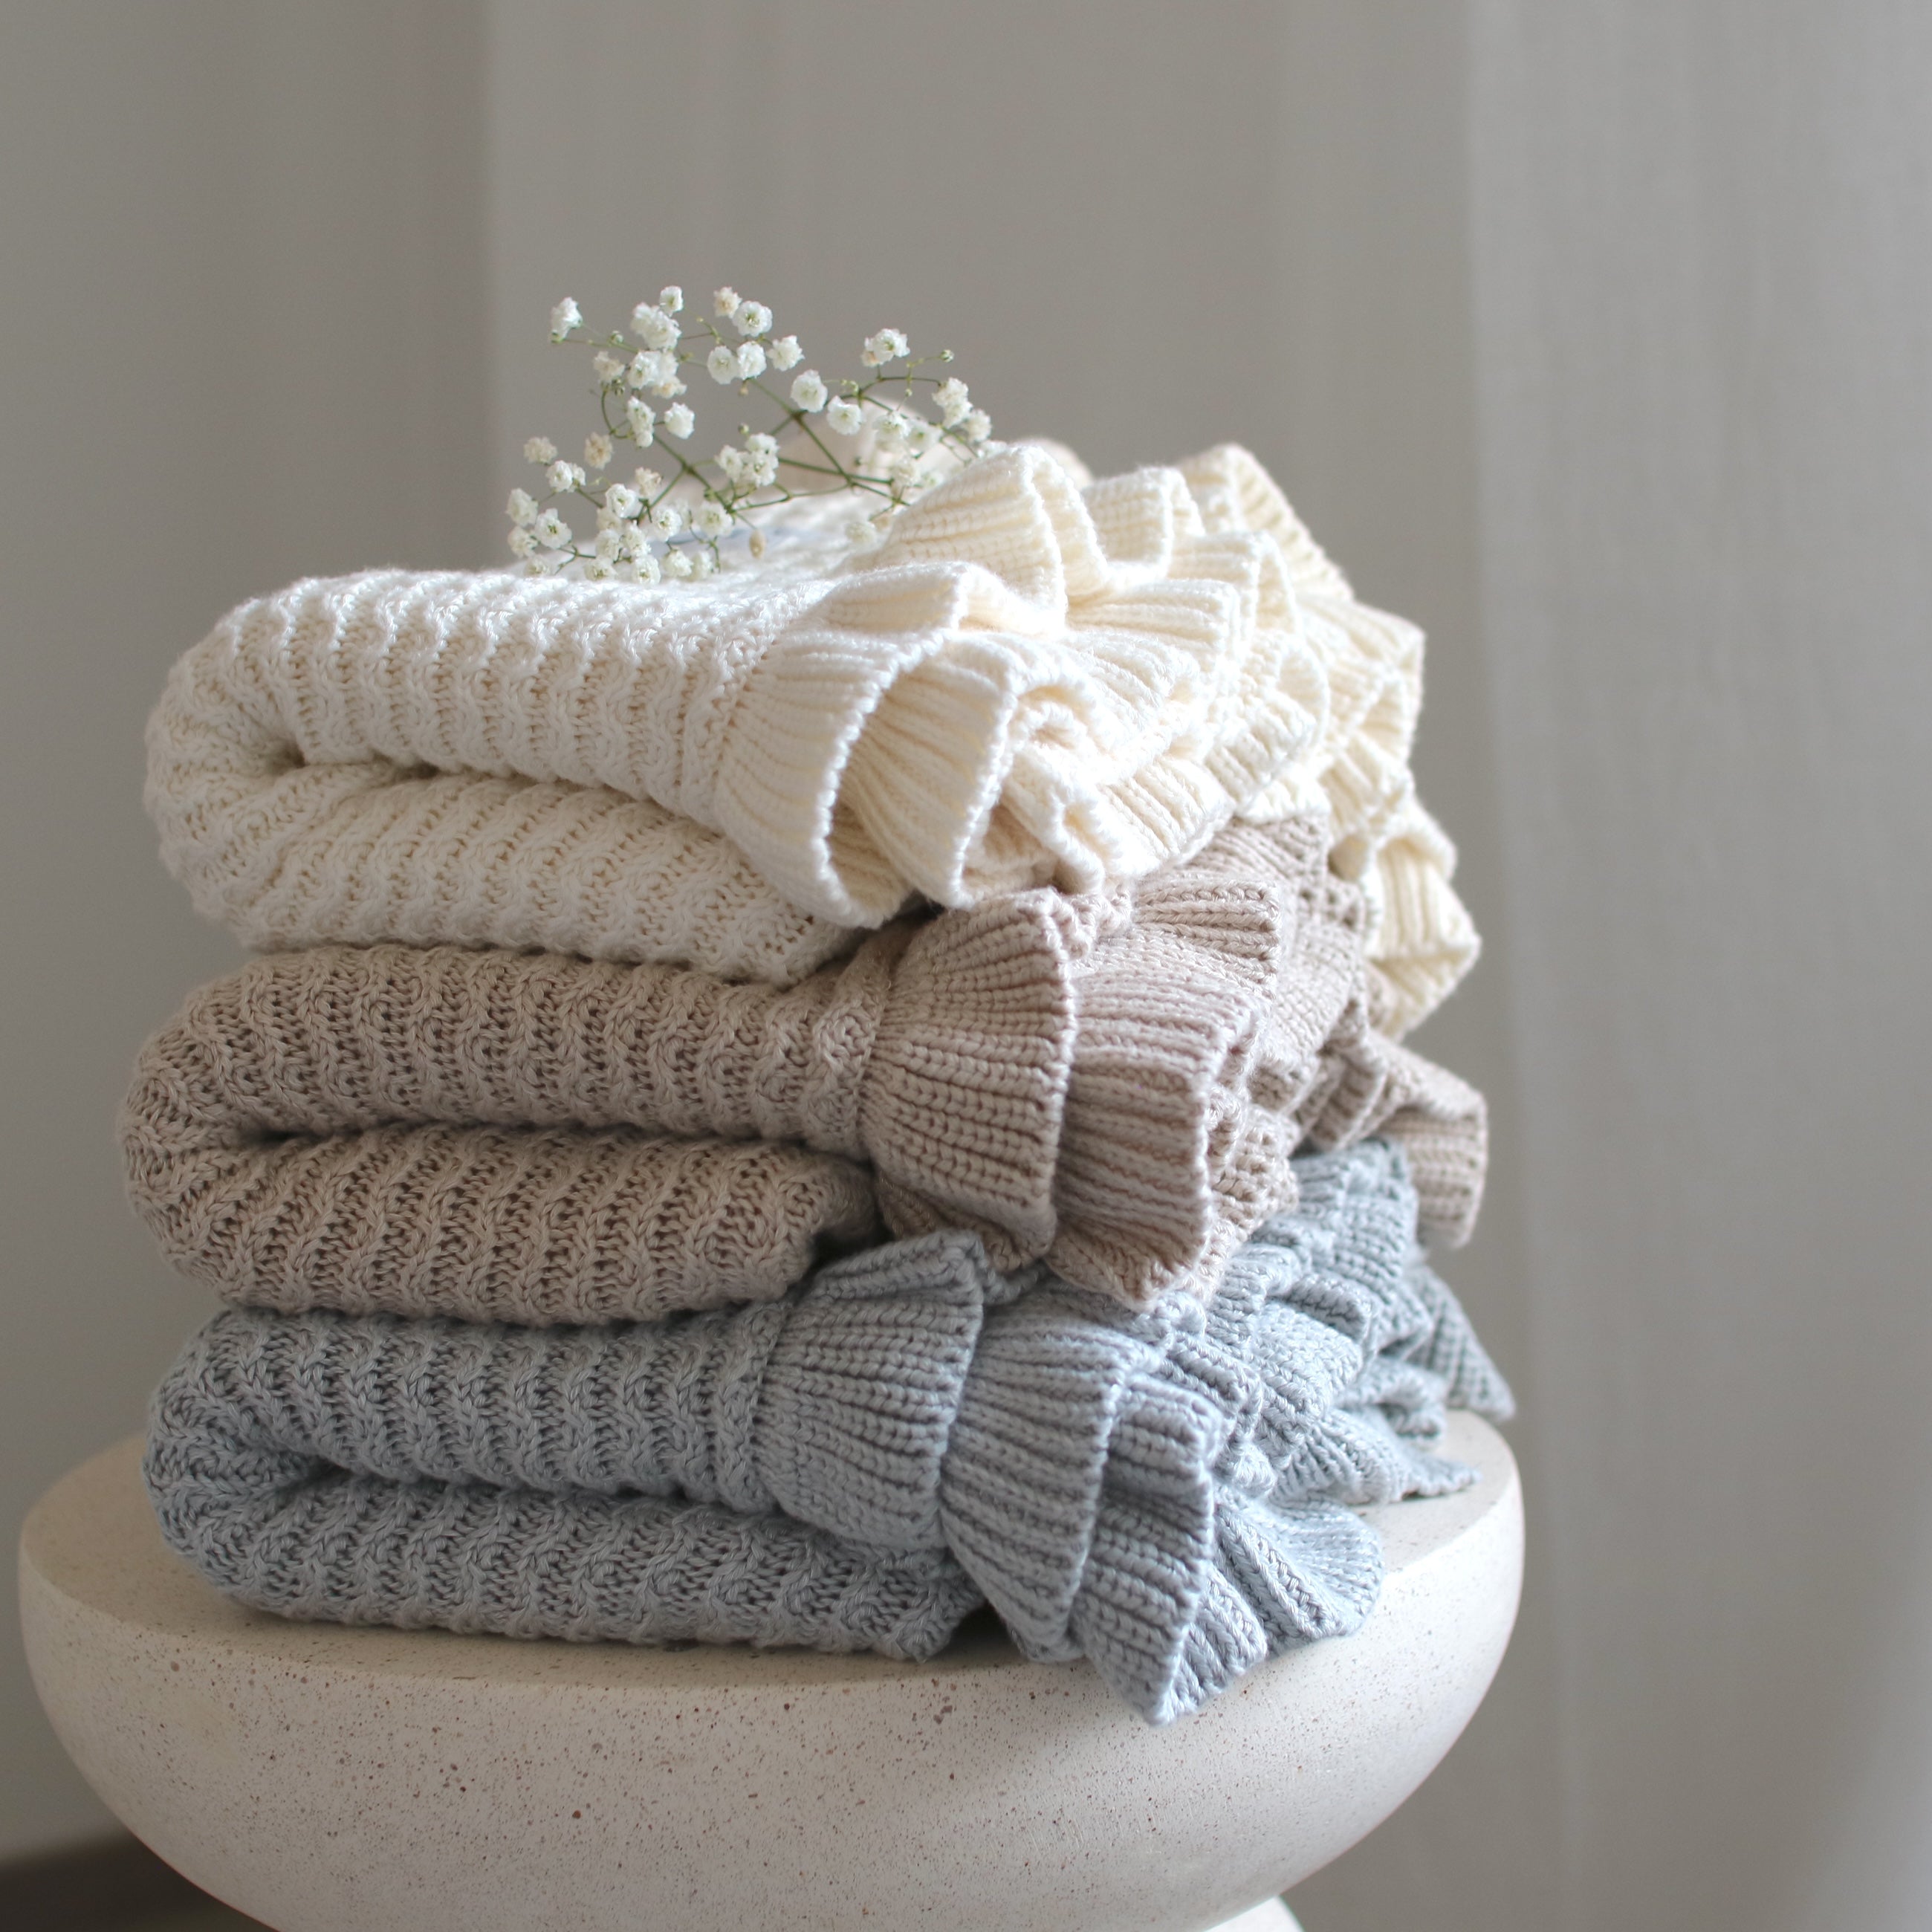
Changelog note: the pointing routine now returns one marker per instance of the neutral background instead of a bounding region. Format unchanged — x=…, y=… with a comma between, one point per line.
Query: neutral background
x=1597, y=337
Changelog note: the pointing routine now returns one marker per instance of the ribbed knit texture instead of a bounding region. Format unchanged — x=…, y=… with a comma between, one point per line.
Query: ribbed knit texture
x=1159, y=1492
x=1114, y=1084
x=1368, y=1084
x=1026, y=682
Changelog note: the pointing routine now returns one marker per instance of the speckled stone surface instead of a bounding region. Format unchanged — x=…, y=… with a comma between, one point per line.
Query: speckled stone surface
x=330, y=1780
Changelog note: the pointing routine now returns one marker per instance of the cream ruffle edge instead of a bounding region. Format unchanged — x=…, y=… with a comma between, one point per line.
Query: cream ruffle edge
x=1029, y=681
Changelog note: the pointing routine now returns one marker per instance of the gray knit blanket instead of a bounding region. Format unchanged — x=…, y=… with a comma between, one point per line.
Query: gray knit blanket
x=858, y=1465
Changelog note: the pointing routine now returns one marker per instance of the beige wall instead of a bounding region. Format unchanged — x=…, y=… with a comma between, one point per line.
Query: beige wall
x=241, y=338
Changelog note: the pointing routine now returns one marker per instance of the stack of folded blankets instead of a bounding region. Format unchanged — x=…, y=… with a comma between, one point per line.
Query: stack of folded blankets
x=790, y=1107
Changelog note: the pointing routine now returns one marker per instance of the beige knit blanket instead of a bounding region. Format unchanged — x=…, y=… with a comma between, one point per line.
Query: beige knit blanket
x=1114, y=1083
x=1031, y=680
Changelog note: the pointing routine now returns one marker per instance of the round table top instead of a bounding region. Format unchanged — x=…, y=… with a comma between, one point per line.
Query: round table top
x=319, y=1776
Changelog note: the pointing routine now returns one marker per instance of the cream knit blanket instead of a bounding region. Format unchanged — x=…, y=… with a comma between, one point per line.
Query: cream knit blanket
x=1028, y=681
x=1114, y=1084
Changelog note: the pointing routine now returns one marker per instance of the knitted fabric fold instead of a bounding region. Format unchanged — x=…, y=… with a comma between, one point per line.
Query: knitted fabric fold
x=1027, y=682
x=1114, y=1084
x=1369, y=1083
x=855, y=1465
x=265, y=1511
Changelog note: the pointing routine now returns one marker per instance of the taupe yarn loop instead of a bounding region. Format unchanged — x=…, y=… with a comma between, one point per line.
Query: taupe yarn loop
x=1114, y=1085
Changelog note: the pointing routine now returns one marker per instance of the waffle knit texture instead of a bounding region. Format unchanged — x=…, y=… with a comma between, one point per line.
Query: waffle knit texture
x=857, y=1464
x=1027, y=682
x=1114, y=1084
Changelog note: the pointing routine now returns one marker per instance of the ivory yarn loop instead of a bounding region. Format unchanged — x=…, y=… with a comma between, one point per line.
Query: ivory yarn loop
x=1028, y=683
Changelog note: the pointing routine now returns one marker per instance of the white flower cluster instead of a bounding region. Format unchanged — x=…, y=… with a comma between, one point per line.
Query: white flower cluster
x=868, y=437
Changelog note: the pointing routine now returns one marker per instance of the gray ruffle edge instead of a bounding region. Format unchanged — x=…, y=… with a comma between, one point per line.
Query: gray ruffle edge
x=859, y=1465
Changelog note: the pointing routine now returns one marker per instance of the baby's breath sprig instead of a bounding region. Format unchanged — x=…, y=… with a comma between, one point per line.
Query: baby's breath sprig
x=868, y=435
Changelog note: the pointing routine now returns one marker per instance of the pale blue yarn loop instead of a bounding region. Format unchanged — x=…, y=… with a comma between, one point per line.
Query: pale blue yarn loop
x=906, y=1434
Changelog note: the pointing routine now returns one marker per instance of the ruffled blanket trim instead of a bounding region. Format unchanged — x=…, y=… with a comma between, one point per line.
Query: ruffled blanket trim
x=1027, y=683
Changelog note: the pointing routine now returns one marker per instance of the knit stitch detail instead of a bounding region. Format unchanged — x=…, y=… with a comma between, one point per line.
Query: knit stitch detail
x=1421, y=940
x=1371, y=1084
x=1027, y=682
x=412, y=1130
x=1114, y=1084
x=1161, y=1493
x=265, y=1514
